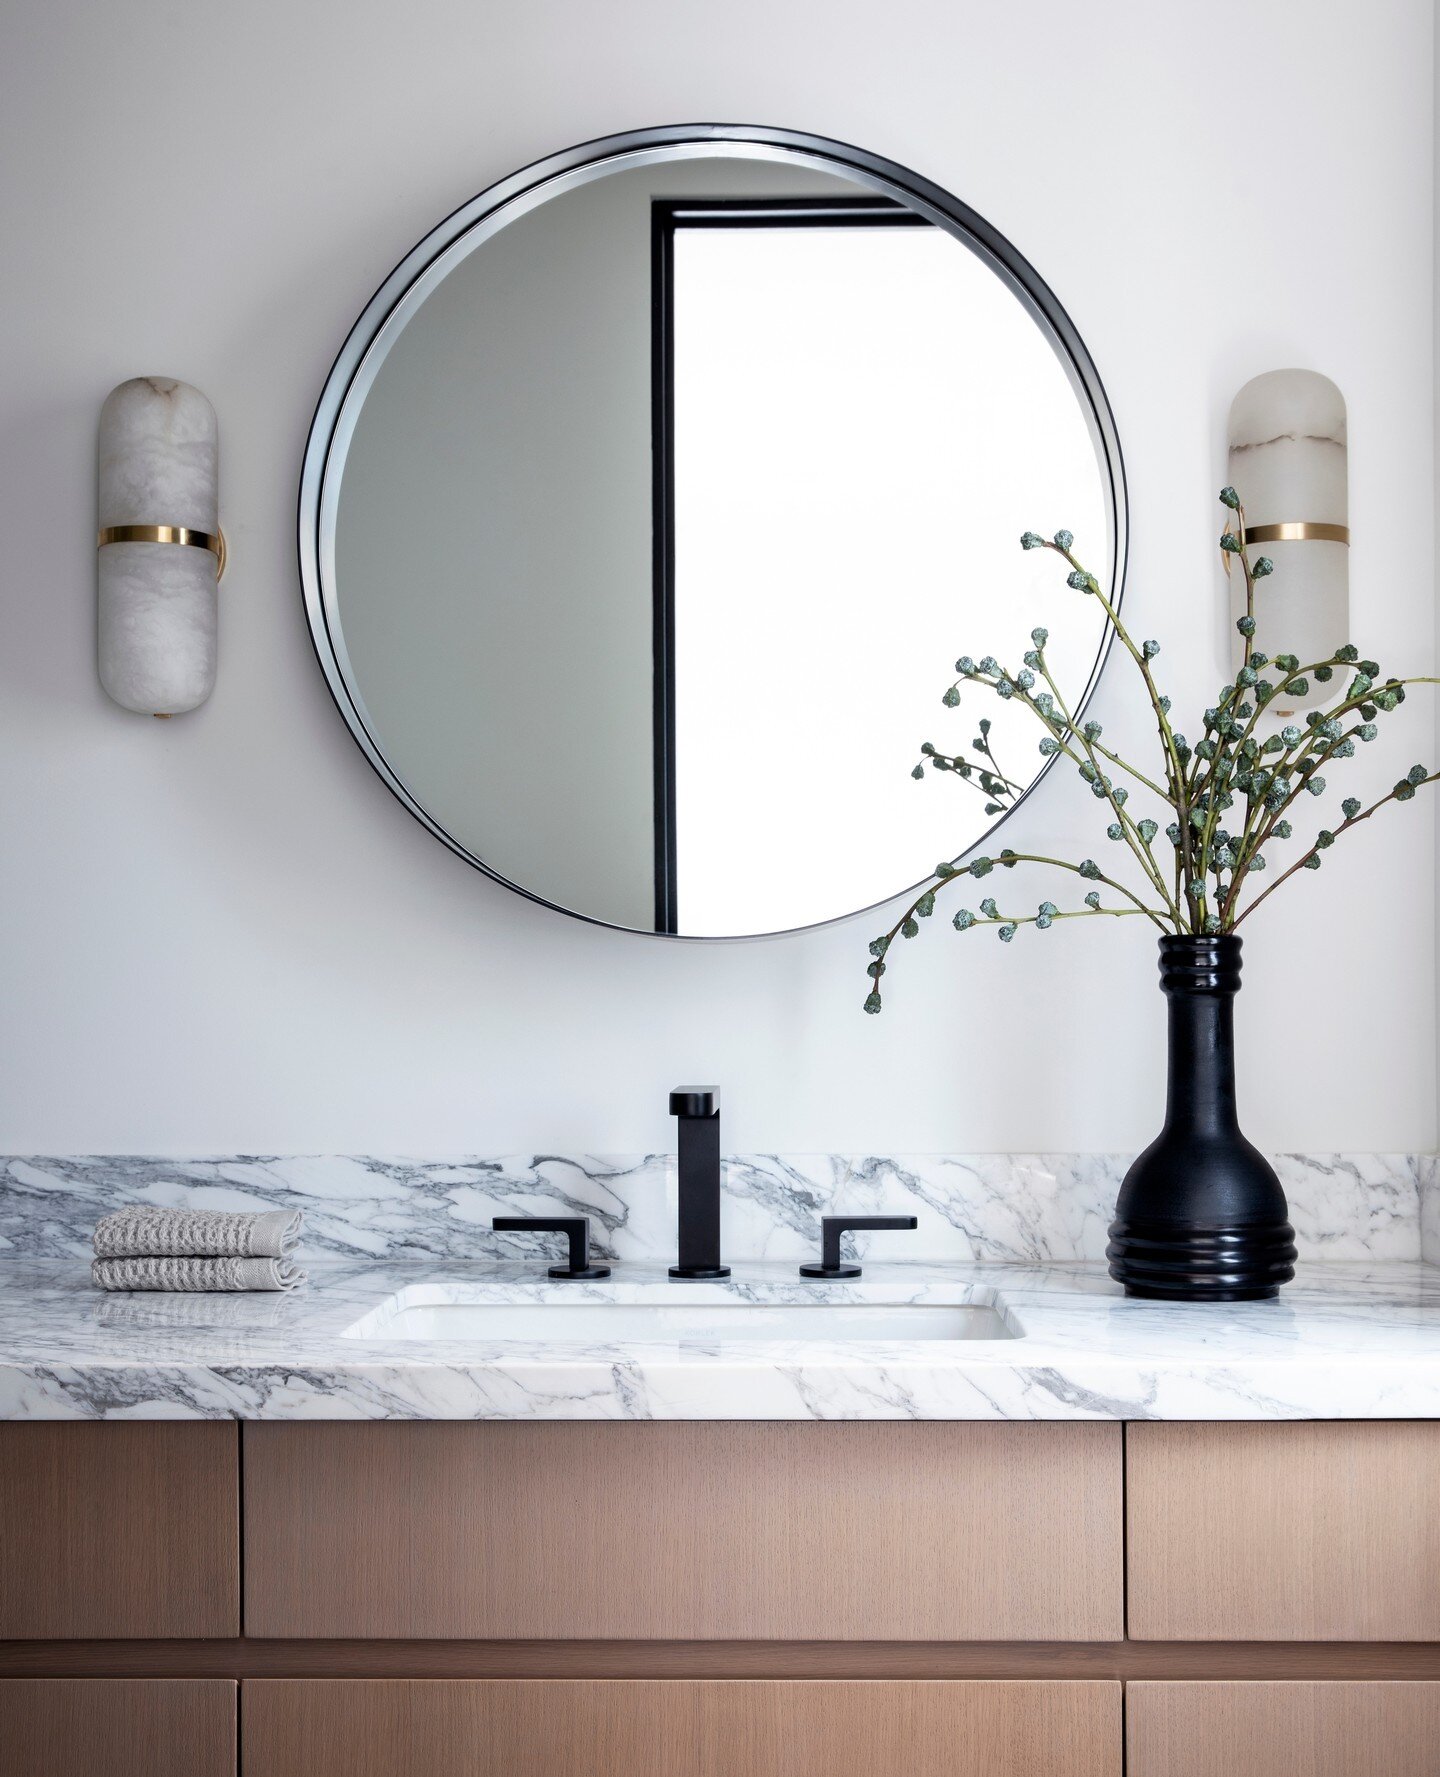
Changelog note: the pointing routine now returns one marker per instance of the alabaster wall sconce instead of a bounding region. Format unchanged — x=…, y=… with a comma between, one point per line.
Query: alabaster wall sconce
x=1289, y=462
x=160, y=551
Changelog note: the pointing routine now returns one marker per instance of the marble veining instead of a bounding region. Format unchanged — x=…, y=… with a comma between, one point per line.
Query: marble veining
x=1344, y=1341
x=1428, y=1175
x=1024, y=1234
x=990, y=1208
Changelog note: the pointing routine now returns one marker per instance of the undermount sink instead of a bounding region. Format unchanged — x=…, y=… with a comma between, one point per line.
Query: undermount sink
x=708, y=1323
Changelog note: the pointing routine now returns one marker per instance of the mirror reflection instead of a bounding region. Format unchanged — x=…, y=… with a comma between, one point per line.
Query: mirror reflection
x=657, y=516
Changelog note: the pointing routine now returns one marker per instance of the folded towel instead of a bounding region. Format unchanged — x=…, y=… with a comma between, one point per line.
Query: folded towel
x=142, y=1231
x=195, y=1274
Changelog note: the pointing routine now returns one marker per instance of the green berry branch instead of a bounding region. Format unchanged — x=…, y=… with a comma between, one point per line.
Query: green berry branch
x=1226, y=798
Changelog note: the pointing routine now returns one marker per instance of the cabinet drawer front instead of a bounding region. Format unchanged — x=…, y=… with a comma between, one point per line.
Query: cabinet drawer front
x=1309, y=1532
x=119, y=1530
x=684, y=1531
x=117, y=1727
x=1284, y=1729
x=681, y=1728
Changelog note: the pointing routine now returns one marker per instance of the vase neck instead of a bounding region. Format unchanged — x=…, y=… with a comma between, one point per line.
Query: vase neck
x=1201, y=1087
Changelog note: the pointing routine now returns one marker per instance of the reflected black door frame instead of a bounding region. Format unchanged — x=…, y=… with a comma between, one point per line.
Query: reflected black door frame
x=667, y=217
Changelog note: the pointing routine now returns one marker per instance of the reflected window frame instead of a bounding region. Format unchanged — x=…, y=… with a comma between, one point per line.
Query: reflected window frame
x=668, y=217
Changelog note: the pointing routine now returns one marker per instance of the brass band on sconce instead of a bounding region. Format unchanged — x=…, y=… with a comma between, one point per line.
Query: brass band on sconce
x=214, y=541
x=1308, y=531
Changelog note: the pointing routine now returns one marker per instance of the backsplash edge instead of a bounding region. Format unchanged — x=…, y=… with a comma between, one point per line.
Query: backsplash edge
x=1002, y=1208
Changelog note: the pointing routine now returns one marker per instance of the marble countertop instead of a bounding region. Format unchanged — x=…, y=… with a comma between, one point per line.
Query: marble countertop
x=1345, y=1341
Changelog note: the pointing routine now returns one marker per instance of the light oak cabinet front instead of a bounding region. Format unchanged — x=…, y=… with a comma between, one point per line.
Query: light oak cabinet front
x=561, y=1599
x=1315, y=1531
x=1287, y=1728
x=119, y=1530
x=681, y=1728
x=685, y=1531
x=117, y=1727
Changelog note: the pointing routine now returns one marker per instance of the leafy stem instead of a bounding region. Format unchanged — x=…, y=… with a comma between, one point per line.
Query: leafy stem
x=1354, y=820
x=1234, y=761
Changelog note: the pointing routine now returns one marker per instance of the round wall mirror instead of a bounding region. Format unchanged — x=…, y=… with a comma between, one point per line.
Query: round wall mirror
x=651, y=500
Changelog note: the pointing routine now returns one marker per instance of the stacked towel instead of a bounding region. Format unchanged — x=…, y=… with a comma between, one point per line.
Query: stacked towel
x=145, y=1248
x=143, y=1231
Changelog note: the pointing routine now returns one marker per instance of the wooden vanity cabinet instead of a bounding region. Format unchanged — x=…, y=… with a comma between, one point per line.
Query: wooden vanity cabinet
x=118, y=1529
x=685, y=1531
x=1310, y=1531
x=117, y=1727
x=702, y=1599
x=1291, y=1728
x=682, y=1728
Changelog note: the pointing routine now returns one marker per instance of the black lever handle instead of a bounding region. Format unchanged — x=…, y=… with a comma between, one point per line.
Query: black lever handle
x=575, y=1228
x=832, y=1227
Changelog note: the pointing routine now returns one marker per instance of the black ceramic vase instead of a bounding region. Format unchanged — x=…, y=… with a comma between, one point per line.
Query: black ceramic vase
x=1201, y=1216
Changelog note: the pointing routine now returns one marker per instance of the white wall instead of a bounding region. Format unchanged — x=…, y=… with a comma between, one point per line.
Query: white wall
x=221, y=933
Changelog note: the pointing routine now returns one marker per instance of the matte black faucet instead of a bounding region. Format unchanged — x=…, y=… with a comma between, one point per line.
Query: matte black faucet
x=698, y=1111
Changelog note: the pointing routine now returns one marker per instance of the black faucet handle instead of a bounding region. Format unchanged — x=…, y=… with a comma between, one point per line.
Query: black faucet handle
x=832, y=1227
x=575, y=1228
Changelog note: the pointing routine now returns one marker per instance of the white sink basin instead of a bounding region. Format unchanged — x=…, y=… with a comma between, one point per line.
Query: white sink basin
x=708, y=1323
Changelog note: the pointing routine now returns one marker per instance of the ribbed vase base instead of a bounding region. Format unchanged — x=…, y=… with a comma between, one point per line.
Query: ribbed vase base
x=1171, y=1261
